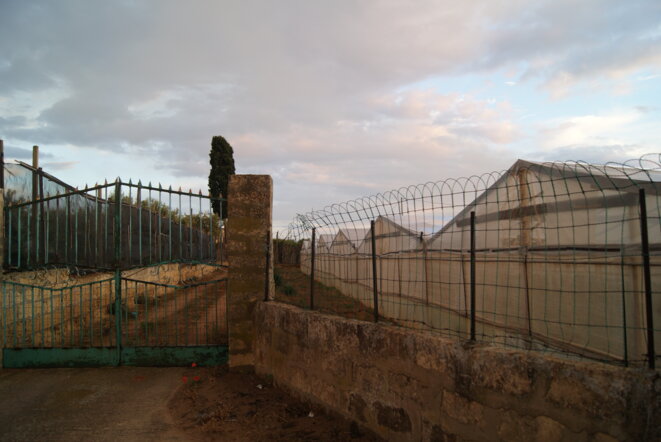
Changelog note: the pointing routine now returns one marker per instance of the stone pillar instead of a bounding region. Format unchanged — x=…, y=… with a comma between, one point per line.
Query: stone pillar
x=250, y=203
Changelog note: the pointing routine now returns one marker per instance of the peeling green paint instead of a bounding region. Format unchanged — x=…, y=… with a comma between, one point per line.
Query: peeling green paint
x=107, y=356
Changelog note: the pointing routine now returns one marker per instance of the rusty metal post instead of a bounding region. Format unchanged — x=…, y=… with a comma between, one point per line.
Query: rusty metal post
x=374, y=279
x=314, y=235
x=649, y=312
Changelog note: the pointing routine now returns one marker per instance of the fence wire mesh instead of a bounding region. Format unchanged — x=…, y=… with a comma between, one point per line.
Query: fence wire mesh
x=543, y=256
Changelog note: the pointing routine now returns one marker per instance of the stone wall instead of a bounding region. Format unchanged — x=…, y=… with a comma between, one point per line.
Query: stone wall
x=249, y=208
x=406, y=385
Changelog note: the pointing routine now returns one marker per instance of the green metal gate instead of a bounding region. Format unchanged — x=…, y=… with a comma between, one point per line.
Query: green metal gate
x=115, y=321
x=116, y=231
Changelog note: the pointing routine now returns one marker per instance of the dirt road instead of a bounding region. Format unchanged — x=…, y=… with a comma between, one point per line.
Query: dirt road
x=158, y=404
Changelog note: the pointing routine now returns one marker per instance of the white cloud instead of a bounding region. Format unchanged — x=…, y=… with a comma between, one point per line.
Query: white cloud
x=588, y=129
x=319, y=94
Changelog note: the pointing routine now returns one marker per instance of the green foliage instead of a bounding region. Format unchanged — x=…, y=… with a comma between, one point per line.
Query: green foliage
x=288, y=290
x=288, y=243
x=204, y=221
x=221, y=159
x=277, y=278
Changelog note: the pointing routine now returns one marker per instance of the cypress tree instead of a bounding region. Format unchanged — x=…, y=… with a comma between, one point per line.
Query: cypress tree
x=221, y=158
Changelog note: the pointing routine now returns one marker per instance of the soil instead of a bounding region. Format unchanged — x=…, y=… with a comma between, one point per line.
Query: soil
x=293, y=287
x=214, y=404
x=188, y=316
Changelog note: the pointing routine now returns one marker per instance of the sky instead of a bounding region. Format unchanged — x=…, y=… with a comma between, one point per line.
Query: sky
x=334, y=99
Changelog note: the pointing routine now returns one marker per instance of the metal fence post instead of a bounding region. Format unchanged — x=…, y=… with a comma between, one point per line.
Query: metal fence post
x=118, y=223
x=472, y=275
x=34, y=228
x=268, y=264
x=2, y=163
x=118, y=314
x=42, y=225
x=374, y=280
x=118, y=273
x=648, y=280
x=314, y=234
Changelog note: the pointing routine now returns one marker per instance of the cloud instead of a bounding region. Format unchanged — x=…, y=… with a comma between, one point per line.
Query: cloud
x=23, y=154
x=587, y=129
x=59, y=166
x=321, y=95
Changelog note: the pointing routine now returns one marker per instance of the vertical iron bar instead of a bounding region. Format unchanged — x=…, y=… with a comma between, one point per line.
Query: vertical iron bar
x=96, y=228
x=47, y=234
x=170, y=224
x=52, y=320
x=42, y=234
x=8, y=212
x=2, y=164
x=106, y=255
x=91, y=318
x=151, y=215
x=186, y=320
x=67, y=229
x=197, y=307
x=33, y=252
x=87, y=234
x=160, y=225
x=71, y=316
x=212, y=255
x=80, y=315
x=28, y=228
x=23, y=316
x=101, y=313
x=624, y=310
x=190, y=227
x=43, y=323
x=130, y=232
x=375, y=288
x=118, y=314
x=181, y=234
x=118, y=224
x=157, y=337
x=14, y=314
x=19, y=246
x=648, y=280
x=472, y=275
x=4, y=315
x=314, y=237
x=75, y=236
x=139, y=198
x=32, y=315
x=268, y=264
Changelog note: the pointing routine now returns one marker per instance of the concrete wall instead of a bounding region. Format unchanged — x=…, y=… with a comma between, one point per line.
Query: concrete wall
x=406, y=385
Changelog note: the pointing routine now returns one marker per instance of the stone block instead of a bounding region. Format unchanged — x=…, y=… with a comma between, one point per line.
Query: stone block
x=592, y=390
x=462, y=409
x=502, y=371
x=393, y=418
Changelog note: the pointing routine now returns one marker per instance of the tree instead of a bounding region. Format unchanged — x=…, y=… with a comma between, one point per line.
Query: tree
x=222, y=166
